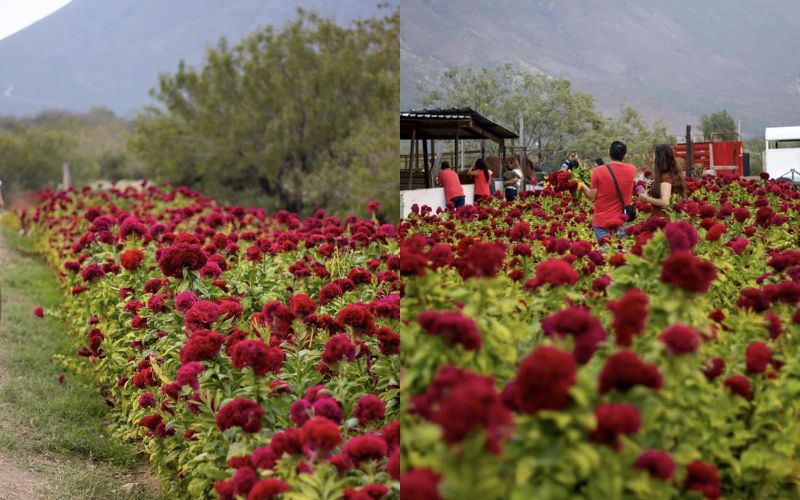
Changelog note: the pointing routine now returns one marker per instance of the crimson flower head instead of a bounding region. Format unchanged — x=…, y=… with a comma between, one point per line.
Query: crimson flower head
x=703, y=478
x=757, y=357
x=302, y=305
x=420, y=484
x=587, y=330
x=685, y=270
x=187, y=374
x=267, y=489
x=625, y=370
x=366, y=447
x=680, y=339
x=714, y=368
x=453, y=327
x=630, y=315
x=174, y=258
x=739, y=385
x=656, y=462
x=131, y=259
x=613, y=420
x=240, y=412
x=203, y=345
x=184, y=300
x=321, y=434
x=543, y=380
x=555, y=272
x=38, y=311
x=257, y=355
x=681, y=236
x=337, y=348
x=481, y=260
x=370, y=407
x=201, y=315
x=357, y=316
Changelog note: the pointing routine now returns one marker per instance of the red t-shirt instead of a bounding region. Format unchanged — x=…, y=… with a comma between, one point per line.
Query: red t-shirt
x=448, y=179
x=607, y=210
x=481, y=184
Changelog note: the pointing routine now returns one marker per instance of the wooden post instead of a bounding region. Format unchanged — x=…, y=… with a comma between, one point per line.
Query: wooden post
x=483, y=148
x=411, y=159
x=689, y=155
x=455, y=152
x=66, y=176
x=433, y=156
x=426, y=163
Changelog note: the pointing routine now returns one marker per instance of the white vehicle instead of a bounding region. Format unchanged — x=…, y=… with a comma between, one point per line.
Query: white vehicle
x=782, y=154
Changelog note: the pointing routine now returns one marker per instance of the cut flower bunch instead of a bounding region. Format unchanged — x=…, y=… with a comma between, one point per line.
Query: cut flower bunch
x=535, y=366
x=254, y=356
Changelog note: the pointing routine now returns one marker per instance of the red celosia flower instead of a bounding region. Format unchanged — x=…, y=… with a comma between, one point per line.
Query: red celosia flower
x=543, y=380
x=201, y=346
x=738, y=245
x=300, y=411
x=329, y=292
x=244, y=479
x=554, y=272
x=680, y=339
x=393, y=465
x=681, y=236
x=614, y=419
x=388, y=341
x=703, y=478
x=357, y=316
x=738, y=384
x=617, y=259
x=173, y=259
x=329, y=408
x=240, y=412
x=757, y=357
x=366, y=447
x=185, y=300
x=391, y=433
x=752, y=298
x=714, y=368
x=369, y=408
x=685, y=270
x=630, y=315
x=658, y=463
x=92, y=272
x=453, y=327
x=131, y=259
x=187, y=374
x=267, y=489
x=257, y=355
x=774, y=325
x=585, y=329
x=624, y=370
x=201, y=315
x=38, y=311
x=420, y=484
x=715, y=232
x=337, y=348
x=147, y=400
x=481, y=260
x=440, y=255
x=302, y=305
x=374, y=491
x=321, y=434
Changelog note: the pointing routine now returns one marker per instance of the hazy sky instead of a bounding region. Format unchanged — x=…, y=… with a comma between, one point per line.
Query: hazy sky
x=18, y=14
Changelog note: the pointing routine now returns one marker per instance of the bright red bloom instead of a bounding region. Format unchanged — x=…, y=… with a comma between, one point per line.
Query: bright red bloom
x=453, y=327
x=680, y=339
x=614, y=419
x=420, y=484
x=543, y=380
x=147, y=400
x=391, y=433
x=658, y=463
x=150, y=421
x=187, y=374
x=714, y=368
x=241, y=412
x=393, y=464
x=774, y=325
x=337, y=348
x=174, y=258
x=329, y=292
x=624, y=370
x=738, y=384
x=757, y=357
x=703, y=478
x=92, y=272
x=201, y=315
x=630, y=315
x=555, y=272
x=302, y=305
x=267, y=489
x=321, y=434
x=685, y=270
x=185, y=300
x=257, y=355
x=587, y=331
x=481, y=260
x=38, y=311
x=131, y=259
x=203, y=345
x=681, y=236
x=357, y=316
x=370, y=407
x=753, y=298
x=366, y=447
x=715, y=232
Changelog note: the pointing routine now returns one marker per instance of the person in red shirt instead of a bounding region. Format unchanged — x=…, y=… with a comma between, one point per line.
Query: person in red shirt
x=608, y=211
x=483, y=176
x=453, y=191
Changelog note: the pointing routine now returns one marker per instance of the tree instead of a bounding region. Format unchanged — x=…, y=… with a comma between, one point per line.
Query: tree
x=718, y=122
x=264, y=121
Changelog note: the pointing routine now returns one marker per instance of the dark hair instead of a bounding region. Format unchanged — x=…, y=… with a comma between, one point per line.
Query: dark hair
x=481, y=165
x=445, y=164
x=617, y=151
x=599, y=161
x=664, y=163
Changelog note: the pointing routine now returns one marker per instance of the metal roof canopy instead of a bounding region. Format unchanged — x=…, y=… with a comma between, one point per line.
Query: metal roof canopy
x=451, y=124
x=782, y=133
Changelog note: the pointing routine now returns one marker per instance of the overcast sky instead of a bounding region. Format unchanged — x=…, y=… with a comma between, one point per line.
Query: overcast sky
x=18, y=14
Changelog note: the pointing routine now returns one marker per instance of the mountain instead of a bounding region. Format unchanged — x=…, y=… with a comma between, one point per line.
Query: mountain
x=672, y=60
x=110, y=52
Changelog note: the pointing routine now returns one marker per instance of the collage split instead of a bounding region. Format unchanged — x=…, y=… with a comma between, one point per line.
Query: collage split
x=403, y=249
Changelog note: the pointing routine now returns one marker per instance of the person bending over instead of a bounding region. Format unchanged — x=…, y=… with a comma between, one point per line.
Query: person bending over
x=667, y=181
x=453, y=191
x=483, y=176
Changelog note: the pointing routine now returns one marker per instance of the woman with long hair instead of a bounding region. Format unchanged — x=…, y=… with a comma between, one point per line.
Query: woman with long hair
x=483, y=176
x=667, y=181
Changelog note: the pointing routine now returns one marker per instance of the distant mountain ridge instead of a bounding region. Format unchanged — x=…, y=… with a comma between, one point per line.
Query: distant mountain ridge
x=672, y=60
x=109, y=53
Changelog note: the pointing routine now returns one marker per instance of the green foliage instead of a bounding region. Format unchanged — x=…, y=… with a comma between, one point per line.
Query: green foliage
x=295, y=119
x=556, y=118
x=718, y=122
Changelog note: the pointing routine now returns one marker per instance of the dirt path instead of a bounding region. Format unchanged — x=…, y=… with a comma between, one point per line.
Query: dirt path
x=50, y=446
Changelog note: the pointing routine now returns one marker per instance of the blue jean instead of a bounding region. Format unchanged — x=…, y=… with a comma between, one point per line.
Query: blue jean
x=459, y=201
x=599, y=232
x=511, y=194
